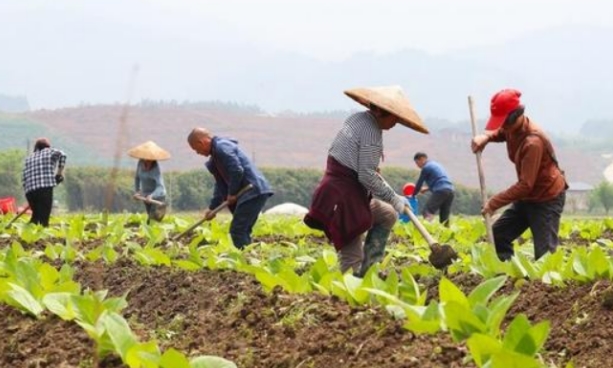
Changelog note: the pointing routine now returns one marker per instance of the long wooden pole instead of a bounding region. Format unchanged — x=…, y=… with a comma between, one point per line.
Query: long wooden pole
x=488, y=219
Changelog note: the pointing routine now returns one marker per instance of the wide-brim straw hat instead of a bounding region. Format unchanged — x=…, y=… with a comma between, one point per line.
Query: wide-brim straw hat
x=149, y=151
x=390, y=99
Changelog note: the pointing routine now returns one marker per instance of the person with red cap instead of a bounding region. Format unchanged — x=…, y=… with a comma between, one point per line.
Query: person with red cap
x=39, y=178
x=537, y=198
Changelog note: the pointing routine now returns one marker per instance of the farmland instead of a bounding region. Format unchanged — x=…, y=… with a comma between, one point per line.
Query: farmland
x=96, y=291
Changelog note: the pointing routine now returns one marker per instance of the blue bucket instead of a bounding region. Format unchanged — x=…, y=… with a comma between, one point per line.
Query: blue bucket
x=412, y=202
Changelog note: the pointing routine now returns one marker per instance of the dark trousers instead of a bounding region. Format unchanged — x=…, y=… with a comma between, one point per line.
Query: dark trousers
x=440, y=201
x=543, y=219
x=155, y=212
x=40, y=201
x=243, y=219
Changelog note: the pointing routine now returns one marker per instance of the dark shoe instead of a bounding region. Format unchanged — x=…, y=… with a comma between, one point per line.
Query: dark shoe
x=374, y=247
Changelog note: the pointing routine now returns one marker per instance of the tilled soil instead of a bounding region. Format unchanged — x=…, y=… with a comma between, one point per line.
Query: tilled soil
x=581, y=317
x=228, y=314
x=581, y=321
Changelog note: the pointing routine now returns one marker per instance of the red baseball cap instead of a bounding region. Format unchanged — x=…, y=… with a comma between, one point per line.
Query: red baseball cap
x=503, y=103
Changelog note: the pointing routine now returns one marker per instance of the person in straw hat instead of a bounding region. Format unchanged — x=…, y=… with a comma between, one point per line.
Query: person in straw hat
x=341, y=205
x=232, y=171
x=148, y=181
x=40, y=177
x=537, y=199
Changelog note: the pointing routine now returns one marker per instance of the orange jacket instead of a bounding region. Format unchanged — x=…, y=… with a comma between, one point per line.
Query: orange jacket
x=539, y=177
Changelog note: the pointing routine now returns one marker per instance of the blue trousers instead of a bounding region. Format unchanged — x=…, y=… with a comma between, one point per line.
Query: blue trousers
x=243, y=219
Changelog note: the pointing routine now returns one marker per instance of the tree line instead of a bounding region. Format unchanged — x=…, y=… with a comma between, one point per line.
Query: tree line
x=86, y=188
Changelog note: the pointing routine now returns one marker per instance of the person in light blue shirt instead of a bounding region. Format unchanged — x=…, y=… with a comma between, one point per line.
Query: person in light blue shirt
x=438, y=183
x=148, y=181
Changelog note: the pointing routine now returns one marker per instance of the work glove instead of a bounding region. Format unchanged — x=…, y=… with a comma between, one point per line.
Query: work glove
x=59, y=178
x=398, y=202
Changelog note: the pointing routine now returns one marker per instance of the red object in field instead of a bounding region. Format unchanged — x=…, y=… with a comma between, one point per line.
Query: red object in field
x=8, y=205
x=408, y=189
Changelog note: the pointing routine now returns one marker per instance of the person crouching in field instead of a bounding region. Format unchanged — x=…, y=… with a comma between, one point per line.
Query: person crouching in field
x=537, y=199
x=341, y=205
x=148, y=180
x=232, y=171
x=439, y=185
x=39, y=178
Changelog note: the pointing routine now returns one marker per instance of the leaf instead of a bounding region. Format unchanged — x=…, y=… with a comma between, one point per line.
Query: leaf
x=391, y=282
x=523, y=338
x=516, y=331
x=23, y=299
x=448, y=292
x=428, y=322
x=207, y=361
x=115, y=305
x=186, y=265
x=485, y=290
x=61, y=305
x=269, y=281
x=482, y=347
x=159, y=257
x=174, y=359
x=539, y=334
x=461, y=322
x=120, y=333
x=498, y=310
x=143, y=355
x=353, y=286
x=509, y=359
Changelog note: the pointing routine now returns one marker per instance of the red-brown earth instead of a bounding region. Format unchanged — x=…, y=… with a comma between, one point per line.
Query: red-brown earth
x=228, y=314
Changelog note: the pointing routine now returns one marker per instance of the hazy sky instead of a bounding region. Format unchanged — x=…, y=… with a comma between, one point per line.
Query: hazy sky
x=300, y=54
x=333, y=29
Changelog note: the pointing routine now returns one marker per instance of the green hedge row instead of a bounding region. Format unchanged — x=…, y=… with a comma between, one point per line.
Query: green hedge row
x=93, y=189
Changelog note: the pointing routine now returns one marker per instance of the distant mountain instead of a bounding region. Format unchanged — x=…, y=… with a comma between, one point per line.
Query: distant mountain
x=90, y=136
x=565, y=73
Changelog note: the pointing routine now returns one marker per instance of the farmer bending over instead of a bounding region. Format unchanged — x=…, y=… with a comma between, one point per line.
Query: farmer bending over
x=148, y=180
x=537, y=199
x=439, y=184
x=233, y=171
x=341, y=205
x=39, y=178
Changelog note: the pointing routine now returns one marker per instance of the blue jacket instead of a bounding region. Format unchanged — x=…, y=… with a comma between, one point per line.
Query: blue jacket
x=233, y=170
x=435, y=176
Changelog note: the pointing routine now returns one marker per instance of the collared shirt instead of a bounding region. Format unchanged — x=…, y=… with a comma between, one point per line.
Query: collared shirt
x=433, y=174
x=233, y=170
x=39, y=169
x=539, y=178
x=359, y=146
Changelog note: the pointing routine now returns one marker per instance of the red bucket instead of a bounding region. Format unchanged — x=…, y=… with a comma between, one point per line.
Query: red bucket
x=8, y=205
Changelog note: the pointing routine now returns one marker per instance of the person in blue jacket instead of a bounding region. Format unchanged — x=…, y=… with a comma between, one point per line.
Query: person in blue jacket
x=232, y=171
x=439, y=184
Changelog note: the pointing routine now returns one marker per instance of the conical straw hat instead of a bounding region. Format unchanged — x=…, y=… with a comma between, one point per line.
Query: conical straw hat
x=391, y=99
x=149, y=151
